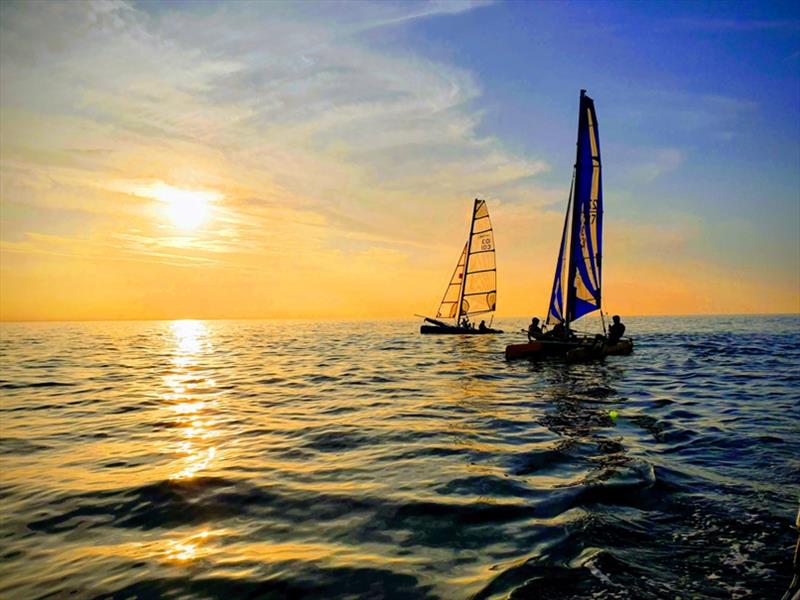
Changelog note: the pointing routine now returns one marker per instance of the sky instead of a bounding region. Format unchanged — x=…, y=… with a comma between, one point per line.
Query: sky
x=319, y=160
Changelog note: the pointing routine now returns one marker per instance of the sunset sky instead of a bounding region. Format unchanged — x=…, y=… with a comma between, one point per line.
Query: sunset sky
x=257, y=160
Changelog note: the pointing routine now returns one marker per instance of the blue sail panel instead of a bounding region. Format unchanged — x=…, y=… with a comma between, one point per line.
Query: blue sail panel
x=555, y=313
x=587, y=219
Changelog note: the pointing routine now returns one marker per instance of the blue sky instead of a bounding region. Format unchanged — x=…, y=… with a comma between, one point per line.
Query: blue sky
x=710, y=91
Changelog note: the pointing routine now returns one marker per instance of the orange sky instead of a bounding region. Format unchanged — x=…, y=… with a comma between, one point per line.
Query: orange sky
x=138, y=182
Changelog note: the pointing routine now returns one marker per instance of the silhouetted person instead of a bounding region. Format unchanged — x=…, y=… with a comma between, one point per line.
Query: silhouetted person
x=465, y=322
x=482, y=326
x=534, y=331
x=558, y=332
x=616, y=331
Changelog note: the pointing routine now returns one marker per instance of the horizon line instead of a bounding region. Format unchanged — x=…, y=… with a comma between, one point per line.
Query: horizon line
x=366, y=319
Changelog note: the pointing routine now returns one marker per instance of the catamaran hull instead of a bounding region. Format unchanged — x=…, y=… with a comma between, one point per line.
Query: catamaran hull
x=577, y=351
x=438, y=329
x=514, y=351
x=539, y=349
x=595, y=351
x=620, y=348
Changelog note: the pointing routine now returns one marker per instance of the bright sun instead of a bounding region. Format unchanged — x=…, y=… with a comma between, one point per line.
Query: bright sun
x=187, y=209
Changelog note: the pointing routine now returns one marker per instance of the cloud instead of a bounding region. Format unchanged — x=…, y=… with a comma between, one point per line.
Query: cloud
x=740, y=25
x=658, y=162
x=286, y=103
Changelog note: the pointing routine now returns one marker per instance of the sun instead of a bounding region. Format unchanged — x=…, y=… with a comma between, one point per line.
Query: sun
x=187, y=209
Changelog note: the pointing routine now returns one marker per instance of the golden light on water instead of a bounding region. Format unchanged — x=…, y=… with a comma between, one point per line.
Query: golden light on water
x=186, y=384
x=189, y=338
x=187, y=549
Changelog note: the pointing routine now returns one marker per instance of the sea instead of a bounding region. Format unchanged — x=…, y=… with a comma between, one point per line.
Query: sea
x=362, y=460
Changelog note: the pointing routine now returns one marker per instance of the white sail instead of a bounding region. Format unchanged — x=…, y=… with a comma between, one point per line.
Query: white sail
x=448, y=309
x=473, y=286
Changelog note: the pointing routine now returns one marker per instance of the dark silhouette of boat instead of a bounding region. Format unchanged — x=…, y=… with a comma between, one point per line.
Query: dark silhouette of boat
x=472, y=289
x=577, y=282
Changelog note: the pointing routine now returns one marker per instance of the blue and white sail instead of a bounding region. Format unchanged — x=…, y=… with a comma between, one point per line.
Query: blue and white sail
x=578, y=279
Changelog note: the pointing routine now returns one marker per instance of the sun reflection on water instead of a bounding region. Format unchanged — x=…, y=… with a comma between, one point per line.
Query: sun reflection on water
x=188, y=399
x=187, y=549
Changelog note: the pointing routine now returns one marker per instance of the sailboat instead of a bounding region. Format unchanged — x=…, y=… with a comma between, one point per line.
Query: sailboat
x=578, y=278
x=472, y=289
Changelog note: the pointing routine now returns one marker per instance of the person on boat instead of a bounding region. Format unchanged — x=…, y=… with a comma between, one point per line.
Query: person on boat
x=556, y=333
x=465, y=322
x=482, y=326
x=534, y=330
x=616, y=330
x=559, y=332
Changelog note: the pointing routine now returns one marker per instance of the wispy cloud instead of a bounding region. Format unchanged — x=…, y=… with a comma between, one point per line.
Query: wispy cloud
x=657, y=163
x=734, y=25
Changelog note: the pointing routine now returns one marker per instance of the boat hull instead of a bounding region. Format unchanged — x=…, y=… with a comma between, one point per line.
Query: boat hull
x=580, y=350
x=540, y=349
x=622, y=347
x=449, y=330
x=514, y=351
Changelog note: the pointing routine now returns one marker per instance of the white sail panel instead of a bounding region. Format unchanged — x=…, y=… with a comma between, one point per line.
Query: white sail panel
x=480, y=284
x=448, y=309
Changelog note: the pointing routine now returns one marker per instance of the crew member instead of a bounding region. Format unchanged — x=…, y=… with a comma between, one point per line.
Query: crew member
x=616, y=331
x=534, y=330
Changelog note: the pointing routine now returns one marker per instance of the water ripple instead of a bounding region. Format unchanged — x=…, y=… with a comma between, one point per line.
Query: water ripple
x=294, y=459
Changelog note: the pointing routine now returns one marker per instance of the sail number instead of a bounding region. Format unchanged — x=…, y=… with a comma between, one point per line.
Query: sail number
x=486, y=244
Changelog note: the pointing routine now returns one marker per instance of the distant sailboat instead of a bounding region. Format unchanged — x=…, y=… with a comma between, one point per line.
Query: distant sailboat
x=578, y=279
x=472, y=289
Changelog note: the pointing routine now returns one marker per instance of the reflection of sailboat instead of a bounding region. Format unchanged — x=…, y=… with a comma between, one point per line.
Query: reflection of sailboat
x=577, y=282
x=473, y=287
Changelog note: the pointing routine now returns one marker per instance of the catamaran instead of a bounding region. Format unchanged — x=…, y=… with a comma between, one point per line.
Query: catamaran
x=473, y=286
x=577, y=283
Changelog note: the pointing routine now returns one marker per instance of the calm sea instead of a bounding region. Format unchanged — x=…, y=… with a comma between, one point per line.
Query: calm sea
x=298, y=459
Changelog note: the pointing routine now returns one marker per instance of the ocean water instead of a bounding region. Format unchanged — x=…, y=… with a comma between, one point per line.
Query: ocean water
x=299, y=459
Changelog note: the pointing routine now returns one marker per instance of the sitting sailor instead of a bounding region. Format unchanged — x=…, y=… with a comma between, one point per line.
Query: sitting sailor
x=560, y=332
x=465, y=322
x=482, y=326
x=616, y=331
x=534, y=331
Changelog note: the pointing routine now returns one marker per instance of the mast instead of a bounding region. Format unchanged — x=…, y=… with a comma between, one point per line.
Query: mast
x=569, y=301
x=466, y=261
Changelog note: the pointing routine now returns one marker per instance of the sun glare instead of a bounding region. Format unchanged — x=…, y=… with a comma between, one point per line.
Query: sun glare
x=186, y=209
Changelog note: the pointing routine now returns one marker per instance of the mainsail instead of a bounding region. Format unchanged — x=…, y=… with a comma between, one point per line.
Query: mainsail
x=577, y=282
x=473, y=287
